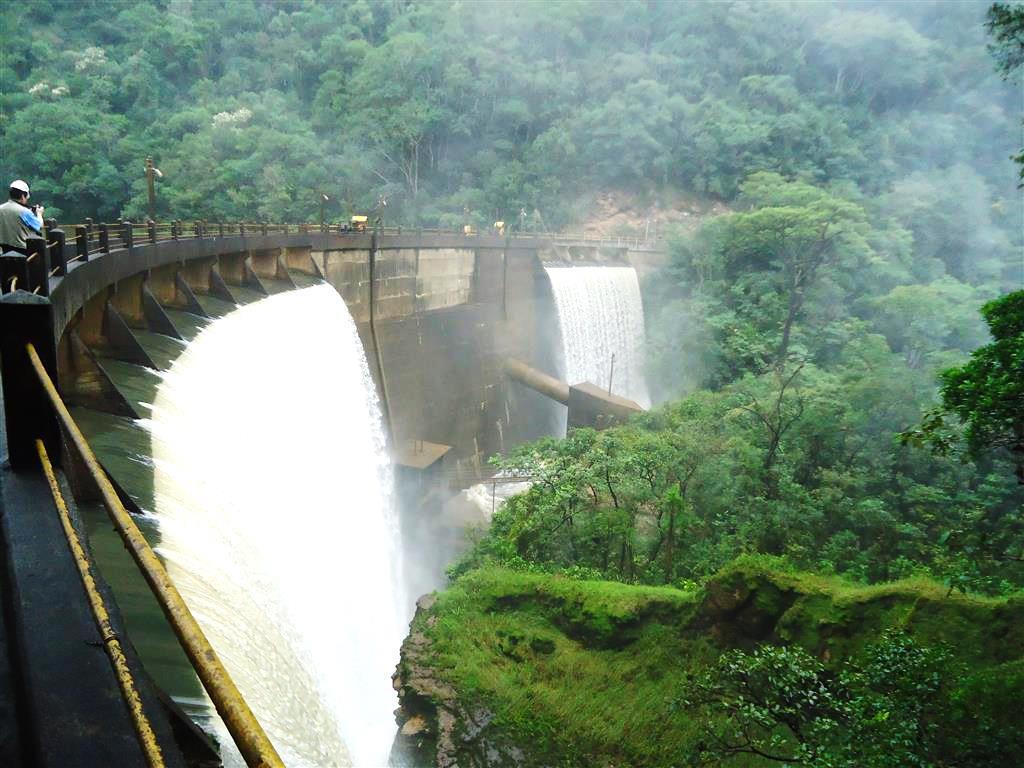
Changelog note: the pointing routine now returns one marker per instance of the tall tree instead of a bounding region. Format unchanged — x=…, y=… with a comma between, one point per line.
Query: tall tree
x=774, y=254
x=1006, y=25
x=988, y=392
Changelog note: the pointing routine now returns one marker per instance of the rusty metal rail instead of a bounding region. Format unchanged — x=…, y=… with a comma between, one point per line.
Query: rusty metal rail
x=111, y=643
x=245, y=730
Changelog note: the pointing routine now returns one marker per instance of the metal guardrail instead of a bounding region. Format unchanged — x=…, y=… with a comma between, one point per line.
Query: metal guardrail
x=111, y=643
x=51, y=257
x=245, y=730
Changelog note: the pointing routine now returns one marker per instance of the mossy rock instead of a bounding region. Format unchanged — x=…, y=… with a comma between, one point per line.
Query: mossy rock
x=538, y=670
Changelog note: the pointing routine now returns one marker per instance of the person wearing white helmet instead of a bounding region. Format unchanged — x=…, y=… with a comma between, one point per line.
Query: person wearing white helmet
x=18, y=220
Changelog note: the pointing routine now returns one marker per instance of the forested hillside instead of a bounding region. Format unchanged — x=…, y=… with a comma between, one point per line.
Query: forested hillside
x=479, y=109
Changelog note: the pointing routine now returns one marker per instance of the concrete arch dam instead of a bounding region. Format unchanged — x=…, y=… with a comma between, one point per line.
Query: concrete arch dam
x=450, y=326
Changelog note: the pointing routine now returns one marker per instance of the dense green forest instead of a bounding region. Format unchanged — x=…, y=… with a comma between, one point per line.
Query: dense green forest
x=449, y=109
x=838, y=358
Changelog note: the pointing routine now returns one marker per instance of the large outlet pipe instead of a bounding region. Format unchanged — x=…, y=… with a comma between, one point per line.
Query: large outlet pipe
x=538, y=380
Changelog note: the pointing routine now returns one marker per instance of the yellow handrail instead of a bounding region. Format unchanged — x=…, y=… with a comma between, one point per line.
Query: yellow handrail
x=245, y=730
x=147, y=739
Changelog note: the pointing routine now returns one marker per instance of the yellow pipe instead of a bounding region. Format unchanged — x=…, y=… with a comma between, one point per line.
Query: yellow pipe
x=245, y=730
x=147, y=739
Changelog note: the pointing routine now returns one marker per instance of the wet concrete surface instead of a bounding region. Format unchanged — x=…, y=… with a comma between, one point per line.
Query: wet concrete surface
x=10, y=752
x=60, y=703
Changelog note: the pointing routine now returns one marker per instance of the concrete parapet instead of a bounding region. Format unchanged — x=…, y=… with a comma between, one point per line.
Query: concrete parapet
x=27, y=318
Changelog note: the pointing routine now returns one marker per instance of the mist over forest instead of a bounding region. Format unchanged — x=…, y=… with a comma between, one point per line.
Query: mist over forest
x=834, y=186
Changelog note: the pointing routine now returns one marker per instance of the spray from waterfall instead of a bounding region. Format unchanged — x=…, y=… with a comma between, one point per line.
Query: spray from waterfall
x=601, y=317
x=277, y=524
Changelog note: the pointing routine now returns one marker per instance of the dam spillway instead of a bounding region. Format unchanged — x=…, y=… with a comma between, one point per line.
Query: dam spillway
x=110, y=326
x=601, y=319
x=276, y=519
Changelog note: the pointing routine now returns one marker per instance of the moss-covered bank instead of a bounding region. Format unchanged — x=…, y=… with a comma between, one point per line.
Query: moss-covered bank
x=507, y=668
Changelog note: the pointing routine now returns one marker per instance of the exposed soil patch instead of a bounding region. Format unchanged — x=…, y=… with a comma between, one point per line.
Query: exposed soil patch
x=621, y=212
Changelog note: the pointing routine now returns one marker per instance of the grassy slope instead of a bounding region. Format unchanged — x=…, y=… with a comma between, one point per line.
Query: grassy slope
x=585, y=672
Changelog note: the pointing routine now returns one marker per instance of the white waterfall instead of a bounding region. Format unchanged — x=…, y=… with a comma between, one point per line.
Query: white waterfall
x=601, y=317
x=276, y=521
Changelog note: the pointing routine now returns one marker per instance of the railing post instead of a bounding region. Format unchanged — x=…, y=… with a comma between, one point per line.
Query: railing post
x=128, y=236
x=82, y=242
x=151, y=225
x=38, y=266
x=197, y=230
x=58, y=240
x=13, y=272
x=105, y=238
x=263, y=229
x=24, y=319
x=241, y=228
x=220, y=229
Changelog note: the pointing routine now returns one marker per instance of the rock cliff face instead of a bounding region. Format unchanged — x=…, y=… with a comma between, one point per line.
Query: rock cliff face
x=509, y=669
x=435, y=728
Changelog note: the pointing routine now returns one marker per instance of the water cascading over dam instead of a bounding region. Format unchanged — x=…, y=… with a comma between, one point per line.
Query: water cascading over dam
x=276, y=520
x=600, y=314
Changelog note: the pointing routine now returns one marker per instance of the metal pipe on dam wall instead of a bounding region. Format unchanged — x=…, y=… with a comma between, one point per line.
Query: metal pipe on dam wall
x=538, y=380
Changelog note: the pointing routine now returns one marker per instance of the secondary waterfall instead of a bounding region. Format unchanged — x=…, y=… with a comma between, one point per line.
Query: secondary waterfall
x=600, y=314
x=274, y=505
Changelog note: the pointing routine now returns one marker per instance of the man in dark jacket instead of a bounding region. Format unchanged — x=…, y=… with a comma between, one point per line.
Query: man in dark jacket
x=18, y=221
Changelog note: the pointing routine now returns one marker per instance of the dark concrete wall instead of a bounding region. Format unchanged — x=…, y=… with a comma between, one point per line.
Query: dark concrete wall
x=441, y=355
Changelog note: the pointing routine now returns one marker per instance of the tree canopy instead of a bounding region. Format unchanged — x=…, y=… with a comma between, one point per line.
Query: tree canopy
x=987, y=392
x=453, y=109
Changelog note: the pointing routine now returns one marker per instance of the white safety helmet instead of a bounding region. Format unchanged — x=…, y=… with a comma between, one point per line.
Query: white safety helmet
x=20, y=185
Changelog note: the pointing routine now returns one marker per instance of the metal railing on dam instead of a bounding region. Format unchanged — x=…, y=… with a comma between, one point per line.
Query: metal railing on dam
x=73, y=262
x=70, y=244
